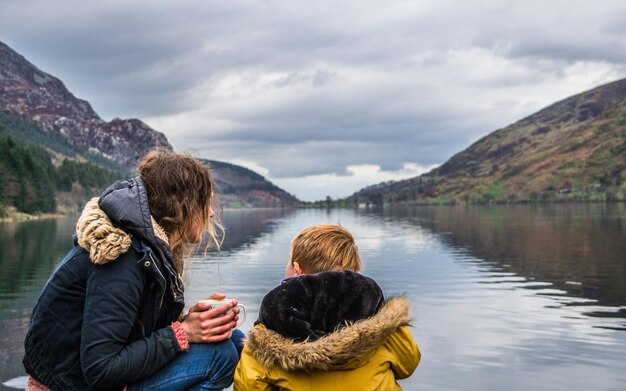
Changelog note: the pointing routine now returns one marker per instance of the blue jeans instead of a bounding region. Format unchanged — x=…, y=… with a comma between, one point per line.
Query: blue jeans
x=206, y=366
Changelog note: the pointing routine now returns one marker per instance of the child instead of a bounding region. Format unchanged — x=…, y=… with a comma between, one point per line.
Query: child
x=327, y=327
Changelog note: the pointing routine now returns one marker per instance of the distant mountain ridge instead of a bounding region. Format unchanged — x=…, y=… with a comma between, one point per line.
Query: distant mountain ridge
x=573, y=150
x=241, y=187
x=36, y=108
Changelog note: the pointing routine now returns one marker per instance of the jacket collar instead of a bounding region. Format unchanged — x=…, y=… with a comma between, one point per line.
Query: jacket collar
x=125, y=205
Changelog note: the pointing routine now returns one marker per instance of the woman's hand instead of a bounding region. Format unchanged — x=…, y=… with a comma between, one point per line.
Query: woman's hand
x=205, y=324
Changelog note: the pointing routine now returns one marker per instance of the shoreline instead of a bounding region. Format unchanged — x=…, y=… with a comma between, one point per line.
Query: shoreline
x=13, y=216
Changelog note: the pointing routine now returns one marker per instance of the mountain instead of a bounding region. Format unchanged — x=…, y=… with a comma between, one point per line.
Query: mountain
x=37, y=111
x=240, y=187
x=573, y=150
x=44, y=99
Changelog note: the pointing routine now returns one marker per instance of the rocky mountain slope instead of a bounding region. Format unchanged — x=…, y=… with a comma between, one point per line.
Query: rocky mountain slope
x=36, y=108
x=572, y=150
x=44, y=99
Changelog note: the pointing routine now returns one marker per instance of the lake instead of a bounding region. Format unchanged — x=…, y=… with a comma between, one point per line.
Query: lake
x=503, y=297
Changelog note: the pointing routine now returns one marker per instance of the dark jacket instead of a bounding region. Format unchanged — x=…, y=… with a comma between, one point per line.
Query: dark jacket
x=102, y=320
x=328, y=331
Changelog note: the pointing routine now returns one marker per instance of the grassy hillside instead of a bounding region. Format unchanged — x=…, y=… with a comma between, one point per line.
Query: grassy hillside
x=240, y=187
x=574, y=150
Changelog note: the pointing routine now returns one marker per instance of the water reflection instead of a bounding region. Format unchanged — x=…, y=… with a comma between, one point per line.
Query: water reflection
x=244, y=227
x=25, y=253
x=572, y=253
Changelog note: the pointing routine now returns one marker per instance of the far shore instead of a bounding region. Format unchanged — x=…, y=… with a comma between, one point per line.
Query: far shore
x=13, y=216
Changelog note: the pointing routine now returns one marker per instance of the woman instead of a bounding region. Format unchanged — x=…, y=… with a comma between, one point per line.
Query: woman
x=109, y=317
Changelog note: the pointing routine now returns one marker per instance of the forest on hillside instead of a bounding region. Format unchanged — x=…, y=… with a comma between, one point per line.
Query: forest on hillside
x=29, y=181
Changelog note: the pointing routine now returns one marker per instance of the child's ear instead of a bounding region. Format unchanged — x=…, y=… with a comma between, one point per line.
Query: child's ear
x=296, y=268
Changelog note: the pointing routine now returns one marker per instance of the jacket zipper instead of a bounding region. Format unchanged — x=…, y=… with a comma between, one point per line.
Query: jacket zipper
x=164, y=282
x=178, y=279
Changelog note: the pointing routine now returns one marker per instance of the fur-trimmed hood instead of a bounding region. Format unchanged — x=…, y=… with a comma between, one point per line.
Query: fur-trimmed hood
x=124, y=204
x=96, y=234
x=313, y=305
x=346, y=348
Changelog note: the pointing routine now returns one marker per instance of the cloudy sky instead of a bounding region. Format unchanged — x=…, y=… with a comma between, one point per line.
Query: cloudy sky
x=322, y=97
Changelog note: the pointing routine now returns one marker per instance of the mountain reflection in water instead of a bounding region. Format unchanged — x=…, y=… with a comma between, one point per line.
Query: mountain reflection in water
x=573, y=253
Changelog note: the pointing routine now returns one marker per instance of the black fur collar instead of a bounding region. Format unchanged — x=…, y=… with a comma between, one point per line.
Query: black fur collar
x=311, y=306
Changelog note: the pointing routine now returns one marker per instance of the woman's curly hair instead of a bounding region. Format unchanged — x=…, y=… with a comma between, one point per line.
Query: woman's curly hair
x=181, y=194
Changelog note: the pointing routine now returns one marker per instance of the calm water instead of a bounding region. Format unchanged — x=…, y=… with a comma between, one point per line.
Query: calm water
x=512, y=298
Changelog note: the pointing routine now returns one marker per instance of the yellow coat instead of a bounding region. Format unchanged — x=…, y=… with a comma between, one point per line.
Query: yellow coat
x=369, y=354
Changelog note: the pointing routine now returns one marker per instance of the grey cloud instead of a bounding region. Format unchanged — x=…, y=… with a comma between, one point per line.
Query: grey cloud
x=313, y=158
x=571, y=31
x=546, y=48
x=353, y=124
x=317, y=78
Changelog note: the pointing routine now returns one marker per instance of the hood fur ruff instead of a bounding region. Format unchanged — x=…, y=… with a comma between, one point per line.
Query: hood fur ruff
x=96, y=234
x=360, y=338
